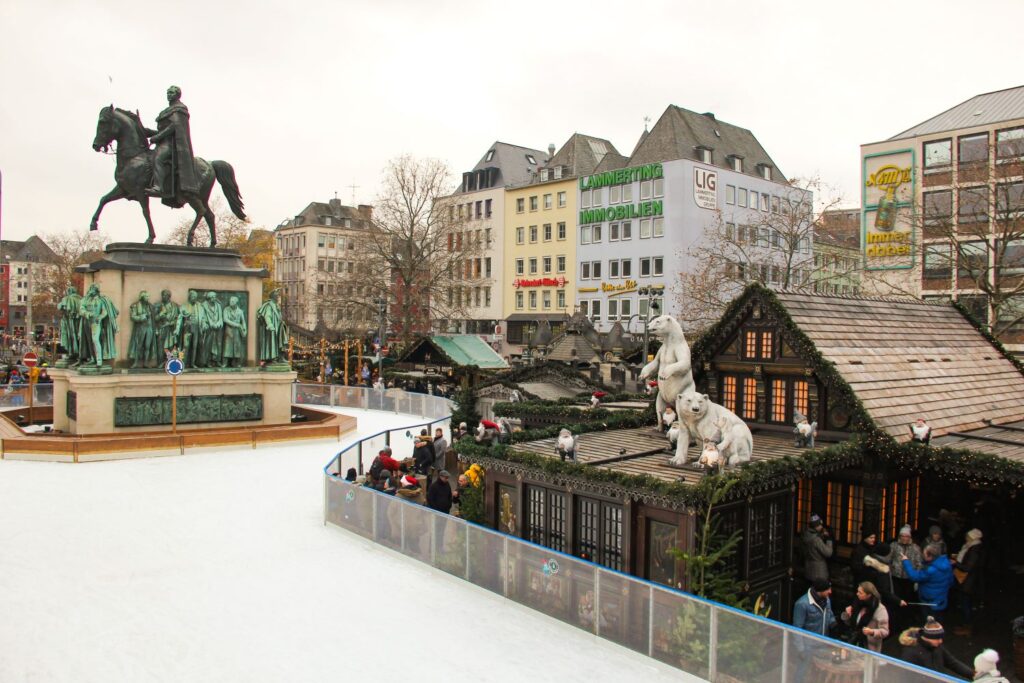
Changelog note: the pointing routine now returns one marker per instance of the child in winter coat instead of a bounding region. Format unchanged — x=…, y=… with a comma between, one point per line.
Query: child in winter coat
x=985, y=668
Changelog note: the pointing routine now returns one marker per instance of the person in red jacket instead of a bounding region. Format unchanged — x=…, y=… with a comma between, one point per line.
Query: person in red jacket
x=386, y=461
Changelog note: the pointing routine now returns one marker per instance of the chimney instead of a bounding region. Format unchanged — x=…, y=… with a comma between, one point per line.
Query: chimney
x=366, y=211
x=710, y=115
x=335, y=205
x=551, y=149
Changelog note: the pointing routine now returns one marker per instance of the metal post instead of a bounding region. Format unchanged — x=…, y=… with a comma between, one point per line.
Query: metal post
x=597, y=601
x=31, y=392
x=383, y=330
x=433, y=540
x=869, y=669
x=359, y=452
x=785, y=655
x=326, y=478
x=713, y=645
x=174, y=404
x=373, y=515
x=504, y=560
x=401, y=527
x=29, y=329
x=467, y=528
x=650, y=623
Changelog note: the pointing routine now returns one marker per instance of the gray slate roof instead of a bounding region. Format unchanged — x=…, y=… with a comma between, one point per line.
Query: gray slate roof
x=679, y=131
x=33, y=250
x=316, y=212
x=514, y=168
x=980, y=110
x=582, y=154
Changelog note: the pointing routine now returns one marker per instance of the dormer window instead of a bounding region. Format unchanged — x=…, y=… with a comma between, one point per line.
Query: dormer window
x=735, y=163
x=765, y=171
x=558, y=172
x=543, y=174
x=704, y=154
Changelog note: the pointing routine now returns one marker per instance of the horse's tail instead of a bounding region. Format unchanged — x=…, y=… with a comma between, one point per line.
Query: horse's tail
x=226, y=178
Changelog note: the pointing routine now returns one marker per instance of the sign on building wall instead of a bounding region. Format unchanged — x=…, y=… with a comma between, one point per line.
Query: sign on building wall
x=705, y=188
x=888, y=191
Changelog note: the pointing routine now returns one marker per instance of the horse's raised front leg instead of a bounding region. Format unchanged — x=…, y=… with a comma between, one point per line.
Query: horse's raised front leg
x=111, y=196
x=144, y=203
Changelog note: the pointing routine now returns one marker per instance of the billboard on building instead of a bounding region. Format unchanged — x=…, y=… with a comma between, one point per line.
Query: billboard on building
x=888, y=191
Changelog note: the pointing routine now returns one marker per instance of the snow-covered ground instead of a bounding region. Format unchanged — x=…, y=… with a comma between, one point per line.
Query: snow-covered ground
x=216, y=566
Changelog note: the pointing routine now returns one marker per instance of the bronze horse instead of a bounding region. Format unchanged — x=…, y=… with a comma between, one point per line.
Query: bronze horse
x=134, y=174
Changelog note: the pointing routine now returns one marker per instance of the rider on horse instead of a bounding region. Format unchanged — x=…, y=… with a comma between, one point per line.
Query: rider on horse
x=174, y=171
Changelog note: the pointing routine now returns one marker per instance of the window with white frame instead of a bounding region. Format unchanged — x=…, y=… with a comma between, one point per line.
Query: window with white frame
x=519, y=300
x=533, y=299
x=597, y=234
x=614, y=194
x=560, y=264
x=645, y=267
x=764, y=202
x=561, y=231
x=658, y=226
x=613, y=232
x=645, y=190
x=626, y=231
x=561, y=200
x=533, y=234
x=645, y=228
x=585, y=234
x=598, y=196
x=627, y=193
x=659, y=187
x=547, y=264
x=625, y=306
x=546, y=299
x=533, y=203
x=613, y=310
x=595, y=269
x=585, y=270
x=520, y=205
x=520, y=235
x=547, y=202
x=585, y=307
x=560, y=298
x=658, y=263
x=626, y=267
x=547, y=232
x=613, y=268
x=595, y=310
x=730, y=194
x=741, y=199
x=585, y=199
x=533, y=266
x=1009, y=144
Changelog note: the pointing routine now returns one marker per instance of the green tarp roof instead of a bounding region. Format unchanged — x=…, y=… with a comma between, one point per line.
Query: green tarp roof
x=468, y=350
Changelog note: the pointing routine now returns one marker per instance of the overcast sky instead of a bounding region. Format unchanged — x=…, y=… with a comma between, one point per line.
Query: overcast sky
x=305, y=99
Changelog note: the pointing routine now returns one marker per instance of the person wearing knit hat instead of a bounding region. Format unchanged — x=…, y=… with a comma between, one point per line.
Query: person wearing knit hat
x=812, y=612
x=985, y=667
x=817, y=548
x=935, y=538
x=967, y=571
x=923, y=647
x=903, y=587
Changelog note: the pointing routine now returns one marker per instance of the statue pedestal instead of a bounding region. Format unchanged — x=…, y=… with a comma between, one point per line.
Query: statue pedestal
x=113, y=399
x=123, y=402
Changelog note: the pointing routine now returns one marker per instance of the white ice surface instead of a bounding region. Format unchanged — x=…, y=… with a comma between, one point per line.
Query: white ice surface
x=216, y=566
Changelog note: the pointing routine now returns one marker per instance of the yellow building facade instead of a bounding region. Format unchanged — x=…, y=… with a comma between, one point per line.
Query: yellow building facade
x=540, y=256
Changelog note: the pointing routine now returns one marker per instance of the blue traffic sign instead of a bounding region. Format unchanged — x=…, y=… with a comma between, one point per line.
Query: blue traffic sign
x=174, y=367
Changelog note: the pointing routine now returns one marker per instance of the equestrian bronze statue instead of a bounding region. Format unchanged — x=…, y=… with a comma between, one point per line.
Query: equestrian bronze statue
x=169, y=172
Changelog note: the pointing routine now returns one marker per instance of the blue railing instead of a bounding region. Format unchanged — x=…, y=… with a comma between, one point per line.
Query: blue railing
x=712, y=641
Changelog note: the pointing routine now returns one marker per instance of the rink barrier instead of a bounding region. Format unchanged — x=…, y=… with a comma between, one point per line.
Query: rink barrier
x=708, y=640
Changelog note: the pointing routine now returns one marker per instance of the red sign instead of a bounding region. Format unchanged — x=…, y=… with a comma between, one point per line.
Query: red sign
x=30, y=359
x=540, y=282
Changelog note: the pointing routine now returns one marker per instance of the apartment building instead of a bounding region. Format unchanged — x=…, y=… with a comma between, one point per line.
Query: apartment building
x=943, y=211
x=540, y=240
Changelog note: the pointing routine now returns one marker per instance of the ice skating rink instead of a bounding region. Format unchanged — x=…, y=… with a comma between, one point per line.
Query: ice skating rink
x=216, y=566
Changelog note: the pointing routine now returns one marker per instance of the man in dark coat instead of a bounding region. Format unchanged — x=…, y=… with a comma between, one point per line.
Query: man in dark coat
x=817, y=548
x=174, y=169
x=439, y=495
x=923, y=647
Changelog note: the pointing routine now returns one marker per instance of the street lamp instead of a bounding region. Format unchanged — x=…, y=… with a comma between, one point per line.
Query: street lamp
x=382, y=306
x=653, y=307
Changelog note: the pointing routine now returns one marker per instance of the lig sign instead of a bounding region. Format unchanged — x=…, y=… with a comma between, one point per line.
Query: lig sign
x=705, y=188
x=539, y=282
x=887, y=231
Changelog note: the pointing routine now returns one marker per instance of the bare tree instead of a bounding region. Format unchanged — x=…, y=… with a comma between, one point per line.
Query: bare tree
x=770, y=244
x=973, y=241
x=416, y=255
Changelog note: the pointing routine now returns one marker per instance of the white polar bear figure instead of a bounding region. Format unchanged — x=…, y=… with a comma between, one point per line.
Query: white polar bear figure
x=704, y=418
x=672, y=363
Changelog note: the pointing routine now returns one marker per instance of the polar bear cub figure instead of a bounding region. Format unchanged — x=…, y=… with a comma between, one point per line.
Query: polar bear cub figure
x=672, y=363
x=704, y=418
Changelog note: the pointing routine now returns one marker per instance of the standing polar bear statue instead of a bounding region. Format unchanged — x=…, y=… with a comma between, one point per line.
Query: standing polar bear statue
x=672, y=363
x=709, y=421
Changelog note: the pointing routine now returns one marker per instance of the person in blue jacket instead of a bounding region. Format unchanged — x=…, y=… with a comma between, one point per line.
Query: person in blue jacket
x=934, y=579
x=812, y=612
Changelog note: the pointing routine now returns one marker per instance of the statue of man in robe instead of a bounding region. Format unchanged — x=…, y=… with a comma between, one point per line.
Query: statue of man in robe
x=211, y=335
x=167, y=315
x=142, y=345
x=188, y=329
x=70, y=323
x=99, y=327
x=271, y=330
x=235, y=332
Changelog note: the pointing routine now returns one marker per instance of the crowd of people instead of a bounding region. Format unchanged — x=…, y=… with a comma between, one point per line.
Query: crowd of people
x=420, y=479
x=902, y=588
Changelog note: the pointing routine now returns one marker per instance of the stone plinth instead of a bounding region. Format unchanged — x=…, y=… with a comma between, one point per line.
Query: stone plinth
x=94, y=398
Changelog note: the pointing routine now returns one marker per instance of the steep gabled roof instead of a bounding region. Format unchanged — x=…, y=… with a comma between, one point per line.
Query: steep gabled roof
x=581, y=154
x=512, y=162
x=33, y=250
x=680, y=131
x=980, y=110
x=461, y=350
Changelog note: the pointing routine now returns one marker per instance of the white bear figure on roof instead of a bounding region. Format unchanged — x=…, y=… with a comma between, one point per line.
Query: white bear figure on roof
x=672, y=363
x=705, y=419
